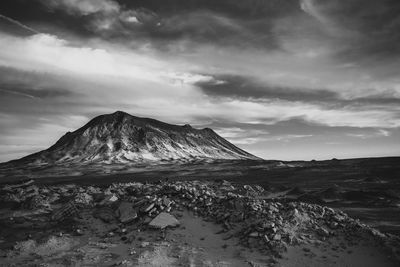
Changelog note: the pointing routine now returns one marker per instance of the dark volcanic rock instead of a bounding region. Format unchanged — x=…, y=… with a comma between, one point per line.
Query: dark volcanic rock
x=257, y=223
x=270, y=226
x=106, y=214
x=126, y=212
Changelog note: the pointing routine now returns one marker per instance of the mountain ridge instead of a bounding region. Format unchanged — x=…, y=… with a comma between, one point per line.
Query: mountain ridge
x=121, y=138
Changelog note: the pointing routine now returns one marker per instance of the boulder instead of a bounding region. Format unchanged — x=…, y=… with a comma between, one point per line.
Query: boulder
x=105, y=214
x=164, y=220
x=126, y=213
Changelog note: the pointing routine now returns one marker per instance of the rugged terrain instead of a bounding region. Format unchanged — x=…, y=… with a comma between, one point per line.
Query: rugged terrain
x=132, y=191
x=367, y=189
x=182, y=223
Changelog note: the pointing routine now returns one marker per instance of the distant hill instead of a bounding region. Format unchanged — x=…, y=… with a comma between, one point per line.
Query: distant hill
x=123, y=138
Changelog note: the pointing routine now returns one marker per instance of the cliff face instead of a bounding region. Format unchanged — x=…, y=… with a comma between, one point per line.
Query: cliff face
x=120, y=137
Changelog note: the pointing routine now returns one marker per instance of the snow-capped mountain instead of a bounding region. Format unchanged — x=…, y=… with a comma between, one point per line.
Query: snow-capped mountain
x=120, y=137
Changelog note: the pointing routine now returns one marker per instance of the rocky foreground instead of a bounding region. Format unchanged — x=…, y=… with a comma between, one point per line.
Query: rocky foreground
x=186, y=223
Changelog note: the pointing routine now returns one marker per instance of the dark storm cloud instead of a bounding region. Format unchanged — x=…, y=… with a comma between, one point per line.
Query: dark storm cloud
x=227, y=22
x=247, y=88
x=40, y=17
x=371, y=28
x=83, y=7
x=197, y=25
x=251, y=9
x=224, y=22
x=362, y=27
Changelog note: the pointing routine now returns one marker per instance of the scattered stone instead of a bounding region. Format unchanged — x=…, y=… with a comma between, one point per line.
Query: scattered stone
x=268, y=225
x=83, y=198
x=144, y=244
x=166, y=201
x=16, y=186
x=147, y=208
x=109, y=199
x=254, y=234
x=106, y=214
x=323, y=232
x=277, y=237
x=79, y=232
x=376, y=233
x=126, y=213
x=333, y=225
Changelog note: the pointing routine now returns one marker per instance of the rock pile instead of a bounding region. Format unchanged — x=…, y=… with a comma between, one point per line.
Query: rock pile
x=20, y=193
x=268, y=225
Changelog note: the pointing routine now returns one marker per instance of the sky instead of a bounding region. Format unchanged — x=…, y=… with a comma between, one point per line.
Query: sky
x=289, y=80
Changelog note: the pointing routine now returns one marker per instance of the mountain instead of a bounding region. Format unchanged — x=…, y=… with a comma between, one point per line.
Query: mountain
x=120, y=137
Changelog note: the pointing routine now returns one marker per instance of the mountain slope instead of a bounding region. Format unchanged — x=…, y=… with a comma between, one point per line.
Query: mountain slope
x=120, y=137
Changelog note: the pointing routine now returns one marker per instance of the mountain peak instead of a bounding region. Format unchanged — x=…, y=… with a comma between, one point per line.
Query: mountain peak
x=119, y=113
x=121, y=138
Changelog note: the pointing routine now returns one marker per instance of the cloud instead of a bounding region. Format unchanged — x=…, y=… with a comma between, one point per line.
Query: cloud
x=48, y=53
x=287, y=137
x=84, y=7
x=187, y=78
x=372, y=29
x=383, y=132
x=241, y=136
x=249, y=88
x=164, y=22
x=379, y=133
x=144, y=75
x=189, y=28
